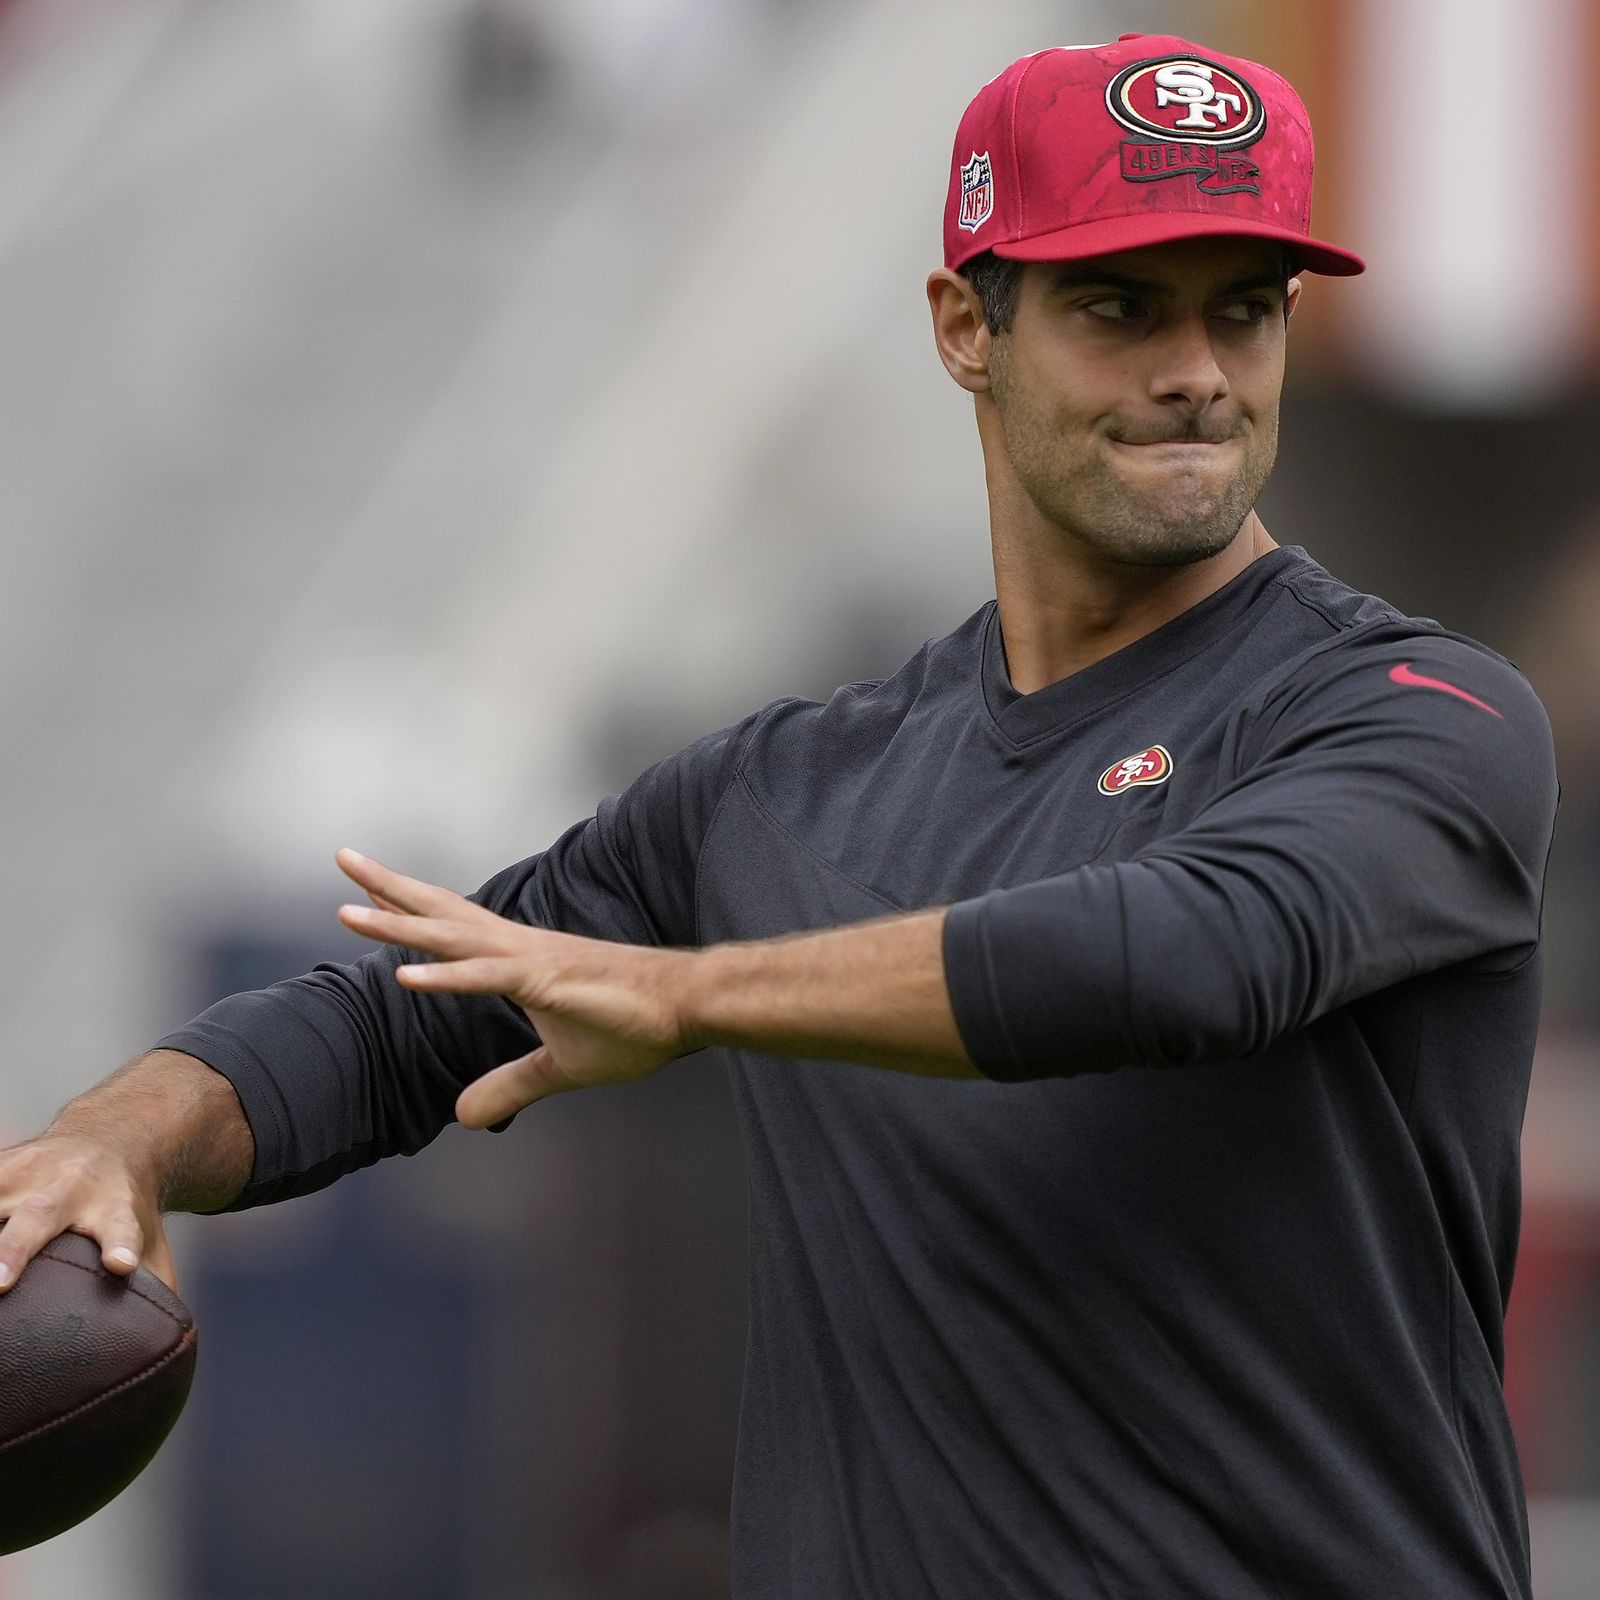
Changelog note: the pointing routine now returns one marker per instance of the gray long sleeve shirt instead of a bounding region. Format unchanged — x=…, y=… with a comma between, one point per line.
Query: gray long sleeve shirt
x=1202, y=1292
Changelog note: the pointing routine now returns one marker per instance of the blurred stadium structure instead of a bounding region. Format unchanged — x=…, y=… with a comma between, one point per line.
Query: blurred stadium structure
x=421, y=414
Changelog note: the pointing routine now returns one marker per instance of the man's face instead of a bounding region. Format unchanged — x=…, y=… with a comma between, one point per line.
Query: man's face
x=1138, y=394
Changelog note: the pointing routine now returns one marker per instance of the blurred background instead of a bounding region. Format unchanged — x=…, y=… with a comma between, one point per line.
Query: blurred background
x=416, y=416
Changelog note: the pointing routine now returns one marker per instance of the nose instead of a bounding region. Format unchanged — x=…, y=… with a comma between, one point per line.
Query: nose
x=1183, y=365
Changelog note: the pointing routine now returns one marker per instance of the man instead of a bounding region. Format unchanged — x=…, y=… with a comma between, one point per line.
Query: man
x=1029, y=1318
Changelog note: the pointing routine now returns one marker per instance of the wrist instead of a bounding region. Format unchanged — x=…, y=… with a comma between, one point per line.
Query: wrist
x=695, y=991
x=103, y=1120
x=173, y=1123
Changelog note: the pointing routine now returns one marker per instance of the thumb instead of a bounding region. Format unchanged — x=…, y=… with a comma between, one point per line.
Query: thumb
x=506, y=1089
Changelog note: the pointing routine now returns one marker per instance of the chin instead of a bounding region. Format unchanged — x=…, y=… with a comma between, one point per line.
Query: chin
x=1176, y=523
x=1166, y=555
x=1156, y=543
x=1178, y=555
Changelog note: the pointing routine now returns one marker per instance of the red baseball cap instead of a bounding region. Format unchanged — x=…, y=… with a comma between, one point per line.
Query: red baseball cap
x=1088, y=150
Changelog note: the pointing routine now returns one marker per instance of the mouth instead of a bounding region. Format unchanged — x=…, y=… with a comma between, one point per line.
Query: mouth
x=1178, y=449
x=1189, y=439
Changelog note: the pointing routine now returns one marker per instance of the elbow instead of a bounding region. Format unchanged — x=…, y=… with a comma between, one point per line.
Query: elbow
x=1241, y=983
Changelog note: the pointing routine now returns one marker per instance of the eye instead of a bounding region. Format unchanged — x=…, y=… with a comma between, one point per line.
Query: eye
x=1249, y=311
x=1114, y=307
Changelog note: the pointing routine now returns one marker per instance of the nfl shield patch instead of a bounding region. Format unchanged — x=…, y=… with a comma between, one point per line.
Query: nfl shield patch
x=977, y=193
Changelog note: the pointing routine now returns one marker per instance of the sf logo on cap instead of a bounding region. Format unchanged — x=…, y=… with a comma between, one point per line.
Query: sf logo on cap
x=1184, y=97
x=1192, y=84
x=1188, y=116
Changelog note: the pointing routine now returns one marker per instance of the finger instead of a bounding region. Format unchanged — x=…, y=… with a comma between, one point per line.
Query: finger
x=34, y=1221
x=469, y=975
x=434, y=935
x=409, y=894
x=508, y=1088
x=120, y=1238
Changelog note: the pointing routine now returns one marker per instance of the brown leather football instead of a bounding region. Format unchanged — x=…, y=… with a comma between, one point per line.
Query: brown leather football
x=94, y=1370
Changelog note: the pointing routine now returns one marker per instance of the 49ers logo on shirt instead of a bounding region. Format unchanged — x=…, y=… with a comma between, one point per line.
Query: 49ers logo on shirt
x=1190, y=117
x=1149, y=767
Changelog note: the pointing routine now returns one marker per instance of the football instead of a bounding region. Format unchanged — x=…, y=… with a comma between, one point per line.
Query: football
x=94, y=1370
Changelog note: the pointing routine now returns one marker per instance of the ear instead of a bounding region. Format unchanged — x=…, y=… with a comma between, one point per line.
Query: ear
x=959, y=331
x=1292, y=298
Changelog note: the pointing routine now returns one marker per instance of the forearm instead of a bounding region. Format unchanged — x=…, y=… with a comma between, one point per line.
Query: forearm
x=871, y=992
x=177, y=1124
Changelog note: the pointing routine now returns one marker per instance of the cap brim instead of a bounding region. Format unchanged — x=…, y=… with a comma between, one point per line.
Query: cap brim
x=1112, y=235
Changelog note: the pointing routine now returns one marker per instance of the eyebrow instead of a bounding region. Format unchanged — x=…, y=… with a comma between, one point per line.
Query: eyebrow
x=1067, y=278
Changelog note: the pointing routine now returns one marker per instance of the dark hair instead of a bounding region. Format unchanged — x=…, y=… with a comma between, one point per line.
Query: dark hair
x=995, y=281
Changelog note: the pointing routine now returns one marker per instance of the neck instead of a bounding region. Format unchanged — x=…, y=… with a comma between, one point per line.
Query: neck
x=1063, y=608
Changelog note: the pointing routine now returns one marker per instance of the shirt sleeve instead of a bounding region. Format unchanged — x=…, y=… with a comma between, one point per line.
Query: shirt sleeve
x=343, y=1066
x=1390, y=814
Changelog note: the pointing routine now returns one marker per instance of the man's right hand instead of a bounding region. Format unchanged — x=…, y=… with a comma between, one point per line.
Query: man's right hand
x=165, y=1133
x=65, y=1180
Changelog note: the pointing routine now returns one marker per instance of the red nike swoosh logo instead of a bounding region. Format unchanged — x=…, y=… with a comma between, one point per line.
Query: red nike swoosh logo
x=1415, y=680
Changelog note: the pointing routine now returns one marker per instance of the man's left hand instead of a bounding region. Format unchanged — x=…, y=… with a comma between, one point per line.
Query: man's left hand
x=604, y=1012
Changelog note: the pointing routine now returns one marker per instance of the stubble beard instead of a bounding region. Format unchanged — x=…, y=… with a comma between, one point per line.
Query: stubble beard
x=1186, y=518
